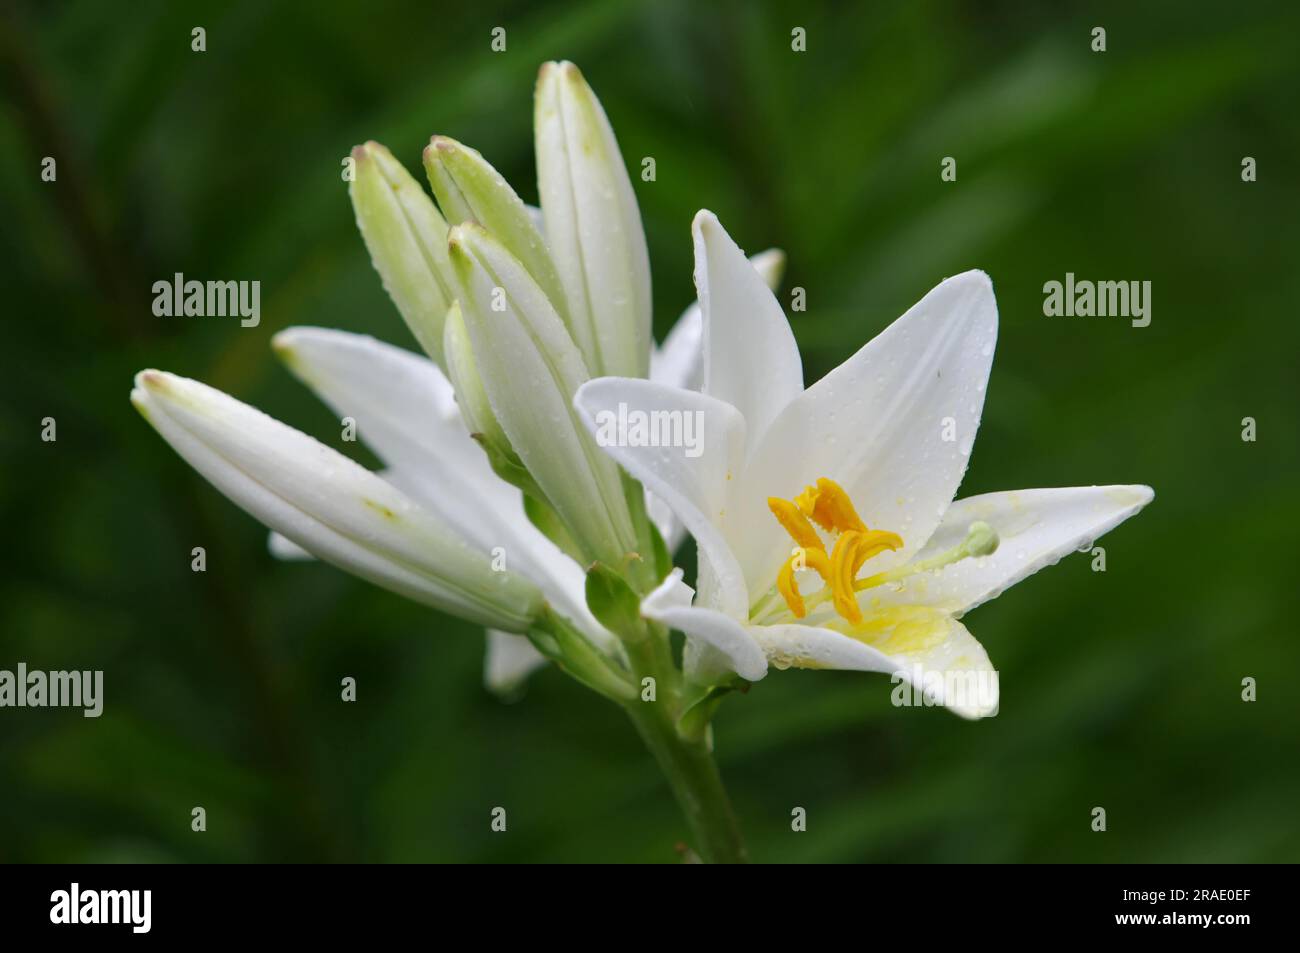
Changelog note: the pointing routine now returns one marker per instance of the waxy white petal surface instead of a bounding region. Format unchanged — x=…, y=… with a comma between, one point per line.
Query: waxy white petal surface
x=593, y=225
x=670, y=604
x=407, y=413
x=531, y=369
x=878, y=424
x=695, y=488
x=1036, y=529
x=751, y=360
x=328, y=505
x=679, y=361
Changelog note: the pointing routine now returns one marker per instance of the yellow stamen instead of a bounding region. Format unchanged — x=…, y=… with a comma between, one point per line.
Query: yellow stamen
x=795, y=523
x=815, y=559
x=807, y=501
x=875, y=542
x=830, y=507
x=842, y=560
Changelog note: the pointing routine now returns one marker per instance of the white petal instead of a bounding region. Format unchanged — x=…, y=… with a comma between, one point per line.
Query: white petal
x=531, y=369
x=670, y=604
x=416, y=488
x=671, y=529
x=672, y=593
x=1036, y=528
x=750, y=358
x=328, y=505
x=693, y=482
x=406, y=412
x=770, y=265
x=679, y=362
x=285, y=549
x=403, y=406
x=509, y=659
x=878, y=424
x=808, y=646
x=931, y=651
x=593, y=226
x=959, y=672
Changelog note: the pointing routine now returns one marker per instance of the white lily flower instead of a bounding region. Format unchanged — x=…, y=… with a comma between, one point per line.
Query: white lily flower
x=407, y=413
x=852, y=481
x=330, y=506
x=825, y=521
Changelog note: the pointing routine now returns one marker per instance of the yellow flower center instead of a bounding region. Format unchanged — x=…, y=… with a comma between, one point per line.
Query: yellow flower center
x=827, y=505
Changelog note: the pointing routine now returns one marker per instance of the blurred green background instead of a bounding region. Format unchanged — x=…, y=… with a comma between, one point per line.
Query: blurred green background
x=1120, y=689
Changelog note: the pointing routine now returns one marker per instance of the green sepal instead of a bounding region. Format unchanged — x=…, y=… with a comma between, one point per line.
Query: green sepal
x=615, y=604
x=541, y=515
x=663, y=559
x=508, y=466
x=559, y=640
x=694, y=721
x=644, y=573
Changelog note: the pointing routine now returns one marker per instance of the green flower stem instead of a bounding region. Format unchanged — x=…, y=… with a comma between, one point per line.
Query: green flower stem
x=696, y=783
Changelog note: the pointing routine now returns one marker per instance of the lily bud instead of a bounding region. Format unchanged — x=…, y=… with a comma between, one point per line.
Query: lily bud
x=530, y=370
x=331, y=506
x=469, y=190
x=468, y=385
x=407, y=241
x=593, y=226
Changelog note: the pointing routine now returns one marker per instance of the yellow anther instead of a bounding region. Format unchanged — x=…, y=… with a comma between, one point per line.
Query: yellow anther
x=795, y=523
x=875, y=542
x=842, y=561
x=807, y=558
x=830, y=507
x=807, y=501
